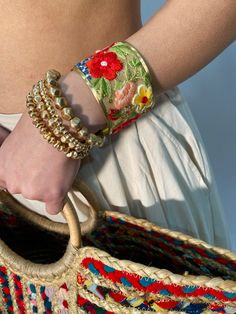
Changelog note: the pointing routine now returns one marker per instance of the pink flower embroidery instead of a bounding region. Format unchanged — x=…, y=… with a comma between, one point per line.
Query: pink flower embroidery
x=124, y=95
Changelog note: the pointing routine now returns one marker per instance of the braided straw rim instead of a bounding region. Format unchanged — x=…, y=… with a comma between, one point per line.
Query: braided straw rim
x=156, y=273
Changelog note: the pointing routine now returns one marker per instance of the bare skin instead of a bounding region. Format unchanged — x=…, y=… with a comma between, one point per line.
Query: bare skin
x=37, y=35
x=181, y=38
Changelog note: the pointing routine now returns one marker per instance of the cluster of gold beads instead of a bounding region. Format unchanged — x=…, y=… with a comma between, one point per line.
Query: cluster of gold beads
x=40, y=103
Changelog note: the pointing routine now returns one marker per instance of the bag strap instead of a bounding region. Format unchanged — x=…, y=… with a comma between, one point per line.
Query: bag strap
x=73, y=223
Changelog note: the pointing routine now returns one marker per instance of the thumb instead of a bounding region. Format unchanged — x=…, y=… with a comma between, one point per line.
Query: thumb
x=55, y=207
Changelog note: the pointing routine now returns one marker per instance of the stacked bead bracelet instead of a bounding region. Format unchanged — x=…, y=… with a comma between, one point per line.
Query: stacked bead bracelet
x=41, y=102
x=120, y=81
x=67, y=114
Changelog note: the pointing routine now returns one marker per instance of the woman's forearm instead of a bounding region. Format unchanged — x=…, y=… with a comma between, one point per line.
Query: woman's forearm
x=179, y=40
x=184, y=36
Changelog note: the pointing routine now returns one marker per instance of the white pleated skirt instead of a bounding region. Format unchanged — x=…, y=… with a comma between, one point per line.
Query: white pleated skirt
x=158, y=169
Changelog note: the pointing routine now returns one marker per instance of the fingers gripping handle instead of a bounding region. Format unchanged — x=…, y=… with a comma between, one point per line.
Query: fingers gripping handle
x=68, y=210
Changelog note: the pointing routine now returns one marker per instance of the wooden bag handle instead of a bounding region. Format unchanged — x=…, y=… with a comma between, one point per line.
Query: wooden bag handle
x=59, y=227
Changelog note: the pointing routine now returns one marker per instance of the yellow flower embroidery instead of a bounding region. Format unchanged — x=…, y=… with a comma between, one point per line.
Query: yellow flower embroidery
x=143, y=99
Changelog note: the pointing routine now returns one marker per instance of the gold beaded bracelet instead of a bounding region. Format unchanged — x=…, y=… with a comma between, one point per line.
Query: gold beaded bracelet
x=47, y=134
x=68, y=114
x=54, y=122
x=40, y=103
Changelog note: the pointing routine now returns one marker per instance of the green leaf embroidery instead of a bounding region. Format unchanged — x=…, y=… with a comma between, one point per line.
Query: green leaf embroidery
x=119, y=52
x=128, y=74
x=138, y=74
x=147, y=80
x=102, y=87
x=143, y=72
x=95, y=82
x=109, y=89
x=134, y=62
x=124, y=49
x=118, y=84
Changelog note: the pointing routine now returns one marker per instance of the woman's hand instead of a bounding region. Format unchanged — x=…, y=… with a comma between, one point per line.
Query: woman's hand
x=30, y=166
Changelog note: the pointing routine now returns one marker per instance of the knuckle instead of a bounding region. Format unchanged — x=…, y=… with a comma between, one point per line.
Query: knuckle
x=12, y=188
x=29, y=194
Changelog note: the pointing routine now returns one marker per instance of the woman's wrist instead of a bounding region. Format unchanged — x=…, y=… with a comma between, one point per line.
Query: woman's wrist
x=82, y=101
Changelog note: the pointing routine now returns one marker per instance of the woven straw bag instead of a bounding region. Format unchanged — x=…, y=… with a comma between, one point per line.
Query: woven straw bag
x=125, y=265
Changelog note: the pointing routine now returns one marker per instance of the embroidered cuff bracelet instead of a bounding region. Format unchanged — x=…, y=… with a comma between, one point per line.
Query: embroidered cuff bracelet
x=120, y=81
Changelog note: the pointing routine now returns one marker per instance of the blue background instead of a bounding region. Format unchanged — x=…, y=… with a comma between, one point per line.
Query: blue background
x=211, y=95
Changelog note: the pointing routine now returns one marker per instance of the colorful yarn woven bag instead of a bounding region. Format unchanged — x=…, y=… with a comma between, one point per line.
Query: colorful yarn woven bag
x=120, y=264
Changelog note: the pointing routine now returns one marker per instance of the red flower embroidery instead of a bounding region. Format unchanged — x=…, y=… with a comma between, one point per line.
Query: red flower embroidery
x=104, y=64
x=124, y=124
x=113, y=114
